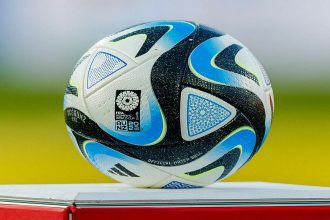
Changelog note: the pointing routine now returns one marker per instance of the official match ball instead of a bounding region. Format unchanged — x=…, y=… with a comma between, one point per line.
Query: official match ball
x=168, y=104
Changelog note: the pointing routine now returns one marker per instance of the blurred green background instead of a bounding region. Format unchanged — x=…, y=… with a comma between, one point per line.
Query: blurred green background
x=40, y=42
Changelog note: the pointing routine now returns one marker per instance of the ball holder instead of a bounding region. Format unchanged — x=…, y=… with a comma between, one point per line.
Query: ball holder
x=245, y=200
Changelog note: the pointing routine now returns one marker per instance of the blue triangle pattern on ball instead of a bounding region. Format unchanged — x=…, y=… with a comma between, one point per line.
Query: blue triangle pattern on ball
x=179, y=185
x=204, y=114
x=103, y=65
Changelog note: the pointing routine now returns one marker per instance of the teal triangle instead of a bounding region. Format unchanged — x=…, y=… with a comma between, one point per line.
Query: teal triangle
x=204, y=114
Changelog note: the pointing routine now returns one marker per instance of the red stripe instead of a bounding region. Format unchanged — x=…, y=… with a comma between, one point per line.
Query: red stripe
x=204, y=213
x=30, y=212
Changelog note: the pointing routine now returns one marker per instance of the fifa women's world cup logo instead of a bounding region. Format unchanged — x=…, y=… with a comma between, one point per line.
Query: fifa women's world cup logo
x=127, y=110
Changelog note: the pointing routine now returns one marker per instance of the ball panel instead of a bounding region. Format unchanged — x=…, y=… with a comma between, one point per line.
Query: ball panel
x=241, y=99
x=104, y=66
x=74, y=140
x=202, y=63
x=128, y=46
x=73, y=97
x=179, y=185
x=174, y=182
x=236, y=59
x=159, y=37
x=81, y=60
x=245, y=59
x=202, y=113
x=269, y=107
x=153, y=34
x=240, y=91
x=122, y=167
x=221, y=161
x=143, y=125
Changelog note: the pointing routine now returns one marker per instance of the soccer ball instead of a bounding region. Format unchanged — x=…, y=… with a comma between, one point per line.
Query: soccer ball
x=168, y=104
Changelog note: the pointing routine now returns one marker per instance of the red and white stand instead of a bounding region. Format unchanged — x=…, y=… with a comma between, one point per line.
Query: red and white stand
x=248, y=201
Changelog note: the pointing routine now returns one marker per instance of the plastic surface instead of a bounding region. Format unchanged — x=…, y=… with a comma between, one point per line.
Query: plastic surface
x=228, y=213
x=33, y=212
